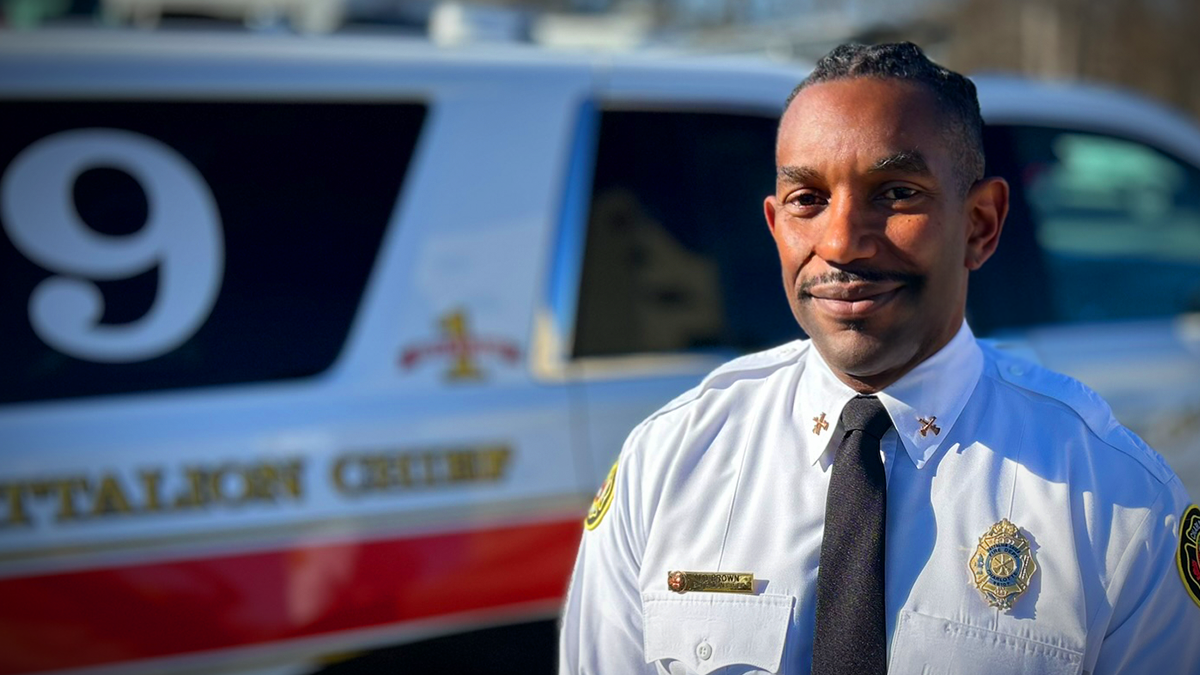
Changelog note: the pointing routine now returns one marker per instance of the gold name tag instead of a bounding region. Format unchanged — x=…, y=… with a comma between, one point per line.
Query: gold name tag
x=711, y=582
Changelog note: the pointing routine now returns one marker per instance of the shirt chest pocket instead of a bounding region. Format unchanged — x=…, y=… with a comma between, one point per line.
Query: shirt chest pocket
x=932, y=646
x=702, y=633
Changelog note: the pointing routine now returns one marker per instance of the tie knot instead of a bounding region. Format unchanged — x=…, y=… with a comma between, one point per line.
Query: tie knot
x=866, y=414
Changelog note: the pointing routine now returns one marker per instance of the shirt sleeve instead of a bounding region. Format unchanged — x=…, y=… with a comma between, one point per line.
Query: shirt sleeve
x=602, y=619
x=1155, y=626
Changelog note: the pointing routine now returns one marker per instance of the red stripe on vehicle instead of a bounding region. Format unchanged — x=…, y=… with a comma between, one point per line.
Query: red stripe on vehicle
x=116, y=614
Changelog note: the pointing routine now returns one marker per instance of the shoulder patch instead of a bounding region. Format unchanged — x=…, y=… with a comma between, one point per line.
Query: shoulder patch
x=1188, y=555
x=602, y=500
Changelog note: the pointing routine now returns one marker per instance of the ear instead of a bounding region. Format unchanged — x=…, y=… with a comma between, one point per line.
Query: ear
x=987, y=206
x=769, y=212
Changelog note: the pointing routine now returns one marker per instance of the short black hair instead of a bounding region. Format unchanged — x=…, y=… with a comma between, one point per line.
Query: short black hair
x=905, y=61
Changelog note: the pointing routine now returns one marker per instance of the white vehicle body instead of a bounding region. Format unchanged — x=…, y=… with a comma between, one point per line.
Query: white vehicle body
x=304, y=16
x=431, y=477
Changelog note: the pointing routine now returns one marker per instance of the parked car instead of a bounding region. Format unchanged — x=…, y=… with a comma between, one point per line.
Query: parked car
x=321, y=346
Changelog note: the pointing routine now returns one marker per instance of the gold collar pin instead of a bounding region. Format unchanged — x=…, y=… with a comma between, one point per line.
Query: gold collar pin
x=822, y=425
x=927, y=425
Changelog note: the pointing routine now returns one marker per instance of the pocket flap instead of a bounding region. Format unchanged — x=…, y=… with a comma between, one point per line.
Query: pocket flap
x=926, y=644
x=707, y=631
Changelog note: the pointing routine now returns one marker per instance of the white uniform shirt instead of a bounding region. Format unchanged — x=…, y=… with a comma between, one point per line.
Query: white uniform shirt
x=732, y=477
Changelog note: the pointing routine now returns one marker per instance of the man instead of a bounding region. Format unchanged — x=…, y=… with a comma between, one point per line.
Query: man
x=890, y=494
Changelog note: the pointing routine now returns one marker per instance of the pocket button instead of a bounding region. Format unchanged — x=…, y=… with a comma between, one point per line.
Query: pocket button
x=704, y=651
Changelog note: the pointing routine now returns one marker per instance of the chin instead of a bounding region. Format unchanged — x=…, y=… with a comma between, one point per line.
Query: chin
x=861, y=354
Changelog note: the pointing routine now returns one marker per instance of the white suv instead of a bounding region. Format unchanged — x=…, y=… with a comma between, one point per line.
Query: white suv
x=318, y=346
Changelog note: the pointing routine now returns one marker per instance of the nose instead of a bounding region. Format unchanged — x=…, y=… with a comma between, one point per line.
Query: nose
x=848, y=233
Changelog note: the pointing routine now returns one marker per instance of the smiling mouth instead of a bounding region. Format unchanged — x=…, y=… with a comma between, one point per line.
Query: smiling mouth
x=852, y=300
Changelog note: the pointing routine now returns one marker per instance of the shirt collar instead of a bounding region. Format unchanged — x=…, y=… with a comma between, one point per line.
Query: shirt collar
x=928, y=398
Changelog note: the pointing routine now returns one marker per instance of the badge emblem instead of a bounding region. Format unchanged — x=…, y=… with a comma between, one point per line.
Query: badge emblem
x=1002, y=565
x=677, y=581
x=602, y=500
x=710, y=582
x=1188, y=555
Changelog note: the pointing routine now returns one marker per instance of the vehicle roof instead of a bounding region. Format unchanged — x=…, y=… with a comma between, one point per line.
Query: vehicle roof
x=362, y=48
x=1002, y=98
x=1005, y=98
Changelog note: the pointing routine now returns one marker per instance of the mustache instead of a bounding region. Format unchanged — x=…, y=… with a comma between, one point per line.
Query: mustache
x=848, y=276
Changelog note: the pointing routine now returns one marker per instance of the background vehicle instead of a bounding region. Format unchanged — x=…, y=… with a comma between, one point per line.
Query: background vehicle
x=321, y=346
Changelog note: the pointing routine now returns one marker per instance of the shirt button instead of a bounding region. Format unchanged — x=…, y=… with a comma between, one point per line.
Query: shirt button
x=704, y=651
x=1016, y=370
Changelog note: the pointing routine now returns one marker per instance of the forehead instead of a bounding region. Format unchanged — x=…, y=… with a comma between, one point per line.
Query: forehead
x=860, y=120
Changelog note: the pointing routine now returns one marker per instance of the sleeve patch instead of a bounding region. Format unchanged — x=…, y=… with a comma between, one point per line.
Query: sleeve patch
x=603, y=500
x=1188, y=555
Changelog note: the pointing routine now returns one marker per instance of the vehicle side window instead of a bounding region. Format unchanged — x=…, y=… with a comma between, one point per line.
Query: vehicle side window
x=1117, y=224
x=151, y=245
x=677, y=255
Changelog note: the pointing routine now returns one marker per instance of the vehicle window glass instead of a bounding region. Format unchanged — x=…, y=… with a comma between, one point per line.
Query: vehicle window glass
x=677, y=255
x=160, y=245
x=1117, y=224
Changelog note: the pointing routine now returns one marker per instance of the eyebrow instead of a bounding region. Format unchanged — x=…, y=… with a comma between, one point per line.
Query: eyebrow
x=905, y=161
x=797, y=174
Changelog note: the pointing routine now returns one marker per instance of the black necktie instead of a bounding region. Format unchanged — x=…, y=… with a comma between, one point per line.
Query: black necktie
x=850, y=637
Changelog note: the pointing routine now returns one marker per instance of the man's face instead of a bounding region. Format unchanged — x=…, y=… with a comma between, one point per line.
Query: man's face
x=874, y=233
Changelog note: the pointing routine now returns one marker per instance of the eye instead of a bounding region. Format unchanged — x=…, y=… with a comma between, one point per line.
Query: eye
x=899, y=193
x=806, y=200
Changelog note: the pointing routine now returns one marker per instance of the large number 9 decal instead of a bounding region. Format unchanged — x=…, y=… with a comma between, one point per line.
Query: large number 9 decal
x=182, y=237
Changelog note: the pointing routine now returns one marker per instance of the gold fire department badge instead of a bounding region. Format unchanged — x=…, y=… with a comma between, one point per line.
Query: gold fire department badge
x=602, y=500
x=1002, y=565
